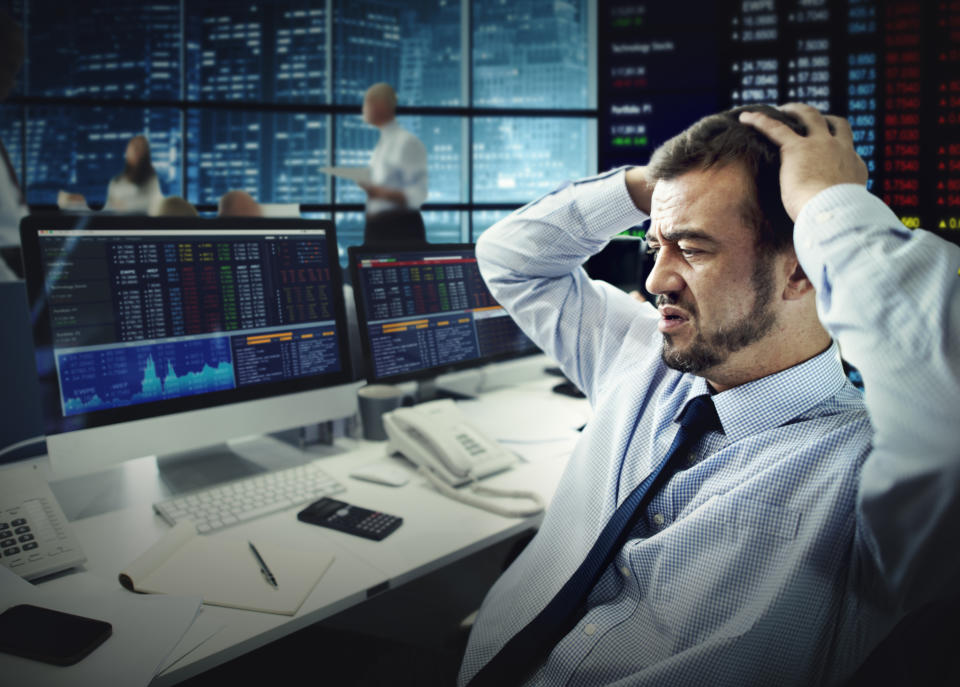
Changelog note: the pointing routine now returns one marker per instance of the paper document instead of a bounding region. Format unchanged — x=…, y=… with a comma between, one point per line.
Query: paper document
x=223, y=571
x=132, y=653
x=361, y=175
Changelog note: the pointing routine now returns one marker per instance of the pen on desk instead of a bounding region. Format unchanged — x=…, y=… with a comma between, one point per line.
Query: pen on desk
x=263, y=566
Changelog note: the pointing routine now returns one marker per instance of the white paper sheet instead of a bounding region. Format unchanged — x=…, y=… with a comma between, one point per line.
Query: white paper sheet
x=132, y=653
x=361, y=175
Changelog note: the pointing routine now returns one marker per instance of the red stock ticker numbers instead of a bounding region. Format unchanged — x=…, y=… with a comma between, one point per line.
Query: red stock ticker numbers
x=892, y=67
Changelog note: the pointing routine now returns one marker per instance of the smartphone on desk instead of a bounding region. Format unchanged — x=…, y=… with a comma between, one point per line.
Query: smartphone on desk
x=43, y=634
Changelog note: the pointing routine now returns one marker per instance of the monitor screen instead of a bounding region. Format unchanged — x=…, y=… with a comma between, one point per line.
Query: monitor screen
x=137, y=318
x=425, y=311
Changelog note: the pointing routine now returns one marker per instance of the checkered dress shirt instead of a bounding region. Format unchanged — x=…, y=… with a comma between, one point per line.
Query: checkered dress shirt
x=794, y=540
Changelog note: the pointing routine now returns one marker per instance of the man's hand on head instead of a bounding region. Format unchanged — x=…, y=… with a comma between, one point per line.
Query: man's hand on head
x=640, y=188
x=809, y=164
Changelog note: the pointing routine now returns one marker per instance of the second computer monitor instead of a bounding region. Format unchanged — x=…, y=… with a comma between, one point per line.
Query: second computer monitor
x=426, y=310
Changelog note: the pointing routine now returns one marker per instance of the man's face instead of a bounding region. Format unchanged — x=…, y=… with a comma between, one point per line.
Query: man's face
x=715, y=295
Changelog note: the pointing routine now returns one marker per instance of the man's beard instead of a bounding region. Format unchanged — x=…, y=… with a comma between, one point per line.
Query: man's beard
x=708, y=351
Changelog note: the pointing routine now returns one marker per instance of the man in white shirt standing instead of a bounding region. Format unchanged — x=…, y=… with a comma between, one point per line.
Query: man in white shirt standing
x=13, y=206
x=398, y=168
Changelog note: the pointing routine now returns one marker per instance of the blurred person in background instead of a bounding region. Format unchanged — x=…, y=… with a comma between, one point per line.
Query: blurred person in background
x=175, y=206
x=238, y=204
x=136, y=189
x=398, y=173
x=13, y=205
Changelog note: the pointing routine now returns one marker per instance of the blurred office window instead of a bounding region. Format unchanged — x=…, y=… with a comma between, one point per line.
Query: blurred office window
x=276, y=157
x=522, y=158
x=444, y=226
x=272, y=51
x=531, y=53
x=233, y=74
x=414, y=45
x=69, y=56
x=80, y=149
x=484, y=219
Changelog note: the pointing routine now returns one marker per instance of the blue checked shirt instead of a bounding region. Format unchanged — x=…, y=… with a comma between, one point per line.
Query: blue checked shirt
x=799, y=536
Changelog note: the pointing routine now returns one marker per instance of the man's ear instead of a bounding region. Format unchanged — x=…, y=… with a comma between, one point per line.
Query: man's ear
x=798, y=285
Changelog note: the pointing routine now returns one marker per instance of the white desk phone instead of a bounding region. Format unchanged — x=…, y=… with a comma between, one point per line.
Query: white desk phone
x=450, y=452
x=35, y=538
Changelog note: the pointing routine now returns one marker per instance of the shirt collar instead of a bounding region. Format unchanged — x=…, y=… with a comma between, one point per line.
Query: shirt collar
x=771, y=401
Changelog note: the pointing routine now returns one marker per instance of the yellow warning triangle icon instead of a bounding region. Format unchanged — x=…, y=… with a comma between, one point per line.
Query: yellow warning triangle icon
x=943, y=225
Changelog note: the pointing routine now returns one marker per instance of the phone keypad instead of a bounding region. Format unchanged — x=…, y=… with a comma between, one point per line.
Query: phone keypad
x=471, y=446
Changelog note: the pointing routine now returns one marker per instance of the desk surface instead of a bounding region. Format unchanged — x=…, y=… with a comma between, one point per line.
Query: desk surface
x=436, y=530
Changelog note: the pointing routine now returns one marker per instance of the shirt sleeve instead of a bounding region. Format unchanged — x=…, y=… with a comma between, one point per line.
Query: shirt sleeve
x=531, y=261
x=891, y=298
x=414, y=172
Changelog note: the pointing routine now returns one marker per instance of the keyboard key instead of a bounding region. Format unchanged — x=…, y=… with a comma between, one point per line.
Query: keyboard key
x=18, y=521
x=11, y=551
x=29, y=547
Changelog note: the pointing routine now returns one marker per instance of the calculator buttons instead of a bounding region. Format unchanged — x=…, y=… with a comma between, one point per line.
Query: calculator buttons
x=25, y=537
x=7, y=542
x=21, y=530
x=12, y=550
x=30, y=546
x=18, y=522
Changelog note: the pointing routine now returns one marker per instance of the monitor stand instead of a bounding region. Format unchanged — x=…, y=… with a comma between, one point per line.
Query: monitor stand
x=427, y=390
x=201, y=468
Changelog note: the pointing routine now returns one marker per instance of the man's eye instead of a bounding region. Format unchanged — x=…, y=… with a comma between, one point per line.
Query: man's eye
x=689, y=252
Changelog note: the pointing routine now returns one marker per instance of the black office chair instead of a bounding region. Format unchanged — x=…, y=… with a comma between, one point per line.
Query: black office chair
x=920, y=650
x=395, y=228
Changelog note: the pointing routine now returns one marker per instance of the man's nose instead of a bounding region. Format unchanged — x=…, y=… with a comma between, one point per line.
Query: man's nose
x=663, y=278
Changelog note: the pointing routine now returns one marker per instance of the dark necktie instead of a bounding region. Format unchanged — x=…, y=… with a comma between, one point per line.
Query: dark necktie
x=529, y=647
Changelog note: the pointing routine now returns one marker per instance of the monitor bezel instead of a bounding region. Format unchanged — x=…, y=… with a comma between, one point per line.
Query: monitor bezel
x=56, y=423
x=353, y=255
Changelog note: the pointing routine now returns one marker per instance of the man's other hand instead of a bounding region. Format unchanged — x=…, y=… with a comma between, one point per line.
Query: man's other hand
x=811, y=163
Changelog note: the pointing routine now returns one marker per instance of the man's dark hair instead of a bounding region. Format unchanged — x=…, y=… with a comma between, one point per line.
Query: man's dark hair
x=719, y=140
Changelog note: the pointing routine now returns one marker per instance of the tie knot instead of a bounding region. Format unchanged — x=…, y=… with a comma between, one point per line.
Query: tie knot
x=699, y=417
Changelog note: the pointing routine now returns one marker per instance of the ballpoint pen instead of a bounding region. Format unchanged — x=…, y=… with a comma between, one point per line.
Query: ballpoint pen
x=263, y=566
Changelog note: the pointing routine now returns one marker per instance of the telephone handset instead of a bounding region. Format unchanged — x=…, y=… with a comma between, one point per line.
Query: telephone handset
x=450, y=452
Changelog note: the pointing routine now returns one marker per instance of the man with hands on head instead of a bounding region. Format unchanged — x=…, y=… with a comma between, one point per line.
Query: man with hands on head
x=736, y=512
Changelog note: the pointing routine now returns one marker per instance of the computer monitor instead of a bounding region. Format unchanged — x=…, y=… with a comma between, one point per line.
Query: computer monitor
x=156, y=335
x=425, y=310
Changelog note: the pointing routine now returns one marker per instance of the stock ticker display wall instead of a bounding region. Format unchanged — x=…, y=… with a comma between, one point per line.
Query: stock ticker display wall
x=892, y=68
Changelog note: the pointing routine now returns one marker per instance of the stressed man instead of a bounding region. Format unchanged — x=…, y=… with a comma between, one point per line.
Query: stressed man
x=736, y=512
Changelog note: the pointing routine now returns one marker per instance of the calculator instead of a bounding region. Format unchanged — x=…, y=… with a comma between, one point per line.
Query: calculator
x=339, y=515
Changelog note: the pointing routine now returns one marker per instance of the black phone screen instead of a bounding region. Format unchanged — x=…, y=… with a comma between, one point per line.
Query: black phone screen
x=50, y=636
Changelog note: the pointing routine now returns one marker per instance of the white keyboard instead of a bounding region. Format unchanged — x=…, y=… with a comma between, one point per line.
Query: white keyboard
x=251, y=497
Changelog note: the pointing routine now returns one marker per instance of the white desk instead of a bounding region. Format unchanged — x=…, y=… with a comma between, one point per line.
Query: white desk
x=436, y=530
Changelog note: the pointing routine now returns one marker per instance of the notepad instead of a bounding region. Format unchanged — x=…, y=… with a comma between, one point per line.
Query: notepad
x=223, y=572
